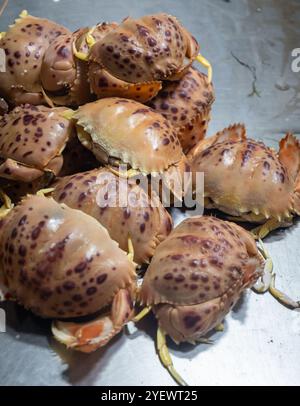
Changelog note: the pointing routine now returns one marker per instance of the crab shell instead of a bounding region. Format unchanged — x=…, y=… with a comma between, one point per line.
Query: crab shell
x=25, y=44
x=186, y=104
x=32, y=139
x=198, y=273
x=60, y=262
x=121, y=206
x=131, y=134
x=65, y=77
x=259, y=184
x=133, y=59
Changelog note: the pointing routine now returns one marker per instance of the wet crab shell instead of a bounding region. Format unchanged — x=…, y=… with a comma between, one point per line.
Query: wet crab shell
x=25, y=44
x=133, y=59
x=32, y=139
x=121, y=206
x=186, y=104
x=63, y=76
x=256, y=180
x=60, y=262
x=198, y=273
x=128, y=131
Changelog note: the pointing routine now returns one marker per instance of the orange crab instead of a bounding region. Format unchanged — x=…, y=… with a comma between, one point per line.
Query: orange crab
x=64, y=75
x=195, y=277
x=61, y=263
x=124, y=132
x=262, y=186
x=133, y=59
x=25, y=44
x=186, y=104
x=121, y=206
x=32, y=139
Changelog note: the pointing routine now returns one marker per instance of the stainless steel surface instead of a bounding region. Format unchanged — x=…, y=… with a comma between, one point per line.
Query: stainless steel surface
x=261, y=341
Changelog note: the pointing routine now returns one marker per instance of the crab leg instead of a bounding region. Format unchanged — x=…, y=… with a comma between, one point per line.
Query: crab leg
x=7, y=204
x=263, y=284
x=263, y=230
x=142, y=314
x=165, y=357
x=282, y=297
x=200, y=58
x=267, y=282
x=88, y=337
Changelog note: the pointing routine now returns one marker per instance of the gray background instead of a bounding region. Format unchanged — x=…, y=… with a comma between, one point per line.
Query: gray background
x=261, y=341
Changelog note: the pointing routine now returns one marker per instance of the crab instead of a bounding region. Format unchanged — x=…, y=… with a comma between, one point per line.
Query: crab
x=25, y=44
x=61, y=263
x=64, y=71
x=195, y=277
x=187, y=105
x=134, y=59
x=121, y=206
x=262, y=186
x=124, y=132
x=32, y=139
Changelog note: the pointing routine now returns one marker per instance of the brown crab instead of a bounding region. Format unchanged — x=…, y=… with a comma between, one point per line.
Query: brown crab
x=261, y=185
x=24, y=44
x=64, y=71
x=121, y=206
x=134, y=59
x=32, y=139
x=195, y=277
x=187, y=105
x=124, y=132
x=61, y=263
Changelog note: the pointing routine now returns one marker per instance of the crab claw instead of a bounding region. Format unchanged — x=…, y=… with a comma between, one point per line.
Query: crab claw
x=88, y=337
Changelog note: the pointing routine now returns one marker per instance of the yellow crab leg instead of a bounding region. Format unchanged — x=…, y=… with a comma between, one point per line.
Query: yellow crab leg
x=282, y=297
x=43, y=192
x=130, y=173
x=200, y=58
x=130, y=254
x=80, y=55
x=220, y=327
x=2, y=34
x=165, y=357
x=263, y=230
x=90, y=40
x=7, y=204
x=68, y=114
x=142, y=314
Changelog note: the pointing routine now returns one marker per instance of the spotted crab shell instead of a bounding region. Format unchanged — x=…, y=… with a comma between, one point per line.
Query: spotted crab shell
x=25, y=44
x=256, y=180
x=32, y=139
x=67, y=267
x=121, y=206
x=186, y=104
x=133, y=59
x=64, y=77
x=128, y=131
x=198, y=273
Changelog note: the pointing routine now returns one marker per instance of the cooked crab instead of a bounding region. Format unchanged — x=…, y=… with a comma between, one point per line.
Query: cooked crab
x=261, y=186
x=32, y=139
x=133, y=59
x=120, y=131
x=186, y=104
x=25, y=44
x=121, y=206
x=195, y=277
x=63, y=76
x=64, y=71
x=61, y=263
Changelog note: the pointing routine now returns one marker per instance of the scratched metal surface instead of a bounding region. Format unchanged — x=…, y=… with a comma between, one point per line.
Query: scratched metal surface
x=261, y=341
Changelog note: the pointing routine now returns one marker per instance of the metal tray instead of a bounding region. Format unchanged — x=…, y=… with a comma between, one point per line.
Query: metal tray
x=261, y=341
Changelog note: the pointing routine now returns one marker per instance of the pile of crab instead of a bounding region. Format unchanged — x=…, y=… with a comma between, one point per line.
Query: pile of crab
x=88, y=120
